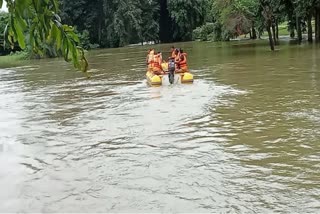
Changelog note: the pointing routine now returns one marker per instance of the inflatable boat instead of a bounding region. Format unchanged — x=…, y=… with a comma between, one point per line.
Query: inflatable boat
x=157, y=80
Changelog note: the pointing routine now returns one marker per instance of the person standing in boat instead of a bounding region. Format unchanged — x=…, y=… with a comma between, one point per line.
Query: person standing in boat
x=173, y=52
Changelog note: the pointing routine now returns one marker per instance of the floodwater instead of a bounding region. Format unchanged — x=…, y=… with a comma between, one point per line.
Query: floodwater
x=244, y=138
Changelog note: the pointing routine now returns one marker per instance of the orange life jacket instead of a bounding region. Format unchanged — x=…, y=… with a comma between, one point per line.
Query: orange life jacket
x=183, y=62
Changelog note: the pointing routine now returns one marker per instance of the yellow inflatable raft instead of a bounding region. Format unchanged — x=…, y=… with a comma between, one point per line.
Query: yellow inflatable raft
x=156, y=80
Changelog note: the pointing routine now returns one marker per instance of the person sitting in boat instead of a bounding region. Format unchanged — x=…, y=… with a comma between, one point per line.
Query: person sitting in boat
x=182, y=63
x=150, y=59
x=157, y=69
x=177, y=58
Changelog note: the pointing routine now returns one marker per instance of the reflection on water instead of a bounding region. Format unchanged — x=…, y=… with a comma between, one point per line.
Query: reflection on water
x=243, y=138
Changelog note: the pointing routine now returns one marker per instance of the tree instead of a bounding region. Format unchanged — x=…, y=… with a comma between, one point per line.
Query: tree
x=40, y=20
x=150, y=20
x=186, y=16
x=4, y=18
x=165, y=22
x=114, y=23
x=86, y=15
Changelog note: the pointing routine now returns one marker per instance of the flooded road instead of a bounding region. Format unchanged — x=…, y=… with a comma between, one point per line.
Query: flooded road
x=245, y=137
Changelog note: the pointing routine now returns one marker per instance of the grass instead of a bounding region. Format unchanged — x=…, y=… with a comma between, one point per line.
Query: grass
x=13, y=59
x=283, y=29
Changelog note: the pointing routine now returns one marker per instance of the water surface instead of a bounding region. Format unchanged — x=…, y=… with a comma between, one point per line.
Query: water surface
x=245, y=137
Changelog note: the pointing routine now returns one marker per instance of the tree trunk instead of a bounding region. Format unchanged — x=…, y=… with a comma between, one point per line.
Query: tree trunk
x=277, y=30
x=317, y=25
x=99, y=32
x=275, y=41
x=271, y=41
x=100, y=23
x=254, y=32
x=299, y=31
x=292, y=34
x=310, y=33
x=165, y=32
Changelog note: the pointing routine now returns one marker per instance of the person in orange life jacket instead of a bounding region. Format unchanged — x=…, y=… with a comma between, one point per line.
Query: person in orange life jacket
x=183, y=67
x=150, y=59
x=177, y=58
x=173, y=54
x=147, y=58
x=157, y=69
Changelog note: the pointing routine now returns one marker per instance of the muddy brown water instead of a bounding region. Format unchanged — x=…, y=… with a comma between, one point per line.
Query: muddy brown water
x=245, y=137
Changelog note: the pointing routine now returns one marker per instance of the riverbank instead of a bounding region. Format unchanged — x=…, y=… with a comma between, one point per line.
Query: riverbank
x=20, y=58
x=13, y=60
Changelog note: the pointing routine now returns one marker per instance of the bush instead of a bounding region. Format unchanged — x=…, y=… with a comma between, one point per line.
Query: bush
x=203, y=33
x=206, y=30
x=196, y=33
x=217, y=32
x=21, y=55
x=211, y=32
x=84, y=37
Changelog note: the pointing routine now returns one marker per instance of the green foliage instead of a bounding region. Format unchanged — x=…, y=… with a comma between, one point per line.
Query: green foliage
x=20, y=55
x=36, y=26
x=204, y=33
x=114, y=23
x=38, y=20
x=207, y=30
x=186, y=16
x=84, y=38
x=196, y=34
x=4, y=18
x=150, y=20
x=211, y=32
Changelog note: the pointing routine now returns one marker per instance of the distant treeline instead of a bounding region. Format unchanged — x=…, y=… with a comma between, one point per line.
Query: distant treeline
x=114, y=23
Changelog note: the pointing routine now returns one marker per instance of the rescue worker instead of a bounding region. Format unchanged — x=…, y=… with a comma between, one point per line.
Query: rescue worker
x=157, y=69
x=150, y=59
x=177, y=58
x=183, y=67
x=173, y=54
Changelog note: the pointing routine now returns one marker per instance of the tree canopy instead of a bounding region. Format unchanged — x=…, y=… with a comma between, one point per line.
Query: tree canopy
x=114, y=23
x=36, y=22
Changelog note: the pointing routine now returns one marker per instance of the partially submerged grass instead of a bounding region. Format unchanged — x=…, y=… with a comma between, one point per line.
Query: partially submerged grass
x=13, y=59
x=283, y=29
